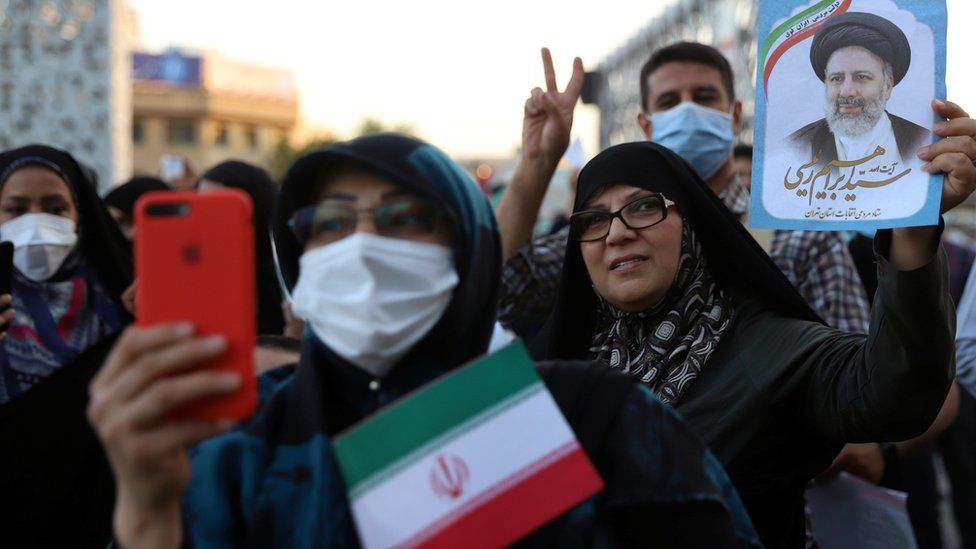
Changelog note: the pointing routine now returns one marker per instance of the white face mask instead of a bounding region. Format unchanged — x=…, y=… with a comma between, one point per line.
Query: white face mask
x=41, y=243
x=372, y=298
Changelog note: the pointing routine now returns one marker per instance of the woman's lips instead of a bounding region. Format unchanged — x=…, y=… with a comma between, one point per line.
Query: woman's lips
x=627, y=263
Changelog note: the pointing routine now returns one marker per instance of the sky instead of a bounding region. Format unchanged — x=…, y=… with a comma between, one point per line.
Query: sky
x=458, y=72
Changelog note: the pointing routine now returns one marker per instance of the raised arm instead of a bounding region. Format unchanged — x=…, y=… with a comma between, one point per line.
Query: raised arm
x=892, y=386
x=546, y=125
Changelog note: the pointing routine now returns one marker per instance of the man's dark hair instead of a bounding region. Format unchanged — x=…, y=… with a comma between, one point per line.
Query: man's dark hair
x=742, y=151
x=687, y=52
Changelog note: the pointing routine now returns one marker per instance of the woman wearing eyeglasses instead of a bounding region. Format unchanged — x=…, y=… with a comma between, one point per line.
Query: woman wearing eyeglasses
x=392, y=253
x=663, y=283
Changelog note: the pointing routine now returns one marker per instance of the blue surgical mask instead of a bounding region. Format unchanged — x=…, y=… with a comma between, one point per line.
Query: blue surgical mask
x=702, y=136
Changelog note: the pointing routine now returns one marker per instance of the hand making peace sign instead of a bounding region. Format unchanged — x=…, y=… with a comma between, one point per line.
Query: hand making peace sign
x=548, y=115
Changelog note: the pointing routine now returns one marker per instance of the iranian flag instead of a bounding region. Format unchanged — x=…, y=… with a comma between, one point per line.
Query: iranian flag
x=479, y=458
x=795, y=30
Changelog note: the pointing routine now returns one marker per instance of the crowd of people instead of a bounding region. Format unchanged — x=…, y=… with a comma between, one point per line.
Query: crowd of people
x=711, y=371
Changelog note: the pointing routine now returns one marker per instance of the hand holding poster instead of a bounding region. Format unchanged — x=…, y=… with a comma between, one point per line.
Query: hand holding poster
x=843, y=103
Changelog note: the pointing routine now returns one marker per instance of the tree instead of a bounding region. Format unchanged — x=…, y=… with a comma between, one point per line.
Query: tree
x=285, y=154
x=372, y=125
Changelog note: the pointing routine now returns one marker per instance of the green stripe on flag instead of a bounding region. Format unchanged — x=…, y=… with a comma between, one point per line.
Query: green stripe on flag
x=774, y=36
x=440, y=407
x=427, y=448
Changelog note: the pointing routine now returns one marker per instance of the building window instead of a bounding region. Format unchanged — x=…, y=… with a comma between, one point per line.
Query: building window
x=220, y=136
x=182, y=132
x=137, y=131
x=251, y=137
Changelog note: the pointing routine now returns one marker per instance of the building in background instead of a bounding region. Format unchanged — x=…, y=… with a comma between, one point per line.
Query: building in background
x=208, y=108
x=64, y=79
x=729, y=25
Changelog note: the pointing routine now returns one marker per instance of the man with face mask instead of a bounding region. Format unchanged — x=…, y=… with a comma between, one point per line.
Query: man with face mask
x=689, y=106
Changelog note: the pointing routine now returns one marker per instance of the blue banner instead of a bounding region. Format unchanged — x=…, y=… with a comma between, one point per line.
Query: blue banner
x=171, y=68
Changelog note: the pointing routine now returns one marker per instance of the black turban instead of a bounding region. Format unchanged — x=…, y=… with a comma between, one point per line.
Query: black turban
x=867, y=30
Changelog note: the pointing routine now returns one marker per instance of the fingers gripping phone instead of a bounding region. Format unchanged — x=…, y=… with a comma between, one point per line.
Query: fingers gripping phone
x=195, y=262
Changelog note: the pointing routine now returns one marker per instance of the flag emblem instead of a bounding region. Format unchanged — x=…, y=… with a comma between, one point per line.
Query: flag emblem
x=448, y=476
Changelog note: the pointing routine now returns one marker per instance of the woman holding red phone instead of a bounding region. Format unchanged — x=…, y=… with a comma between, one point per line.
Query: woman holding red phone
x=384, y=227
x=70, y=266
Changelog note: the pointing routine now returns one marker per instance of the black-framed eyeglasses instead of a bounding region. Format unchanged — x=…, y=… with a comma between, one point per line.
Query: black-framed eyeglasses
x=640, y=213
x=399, y=217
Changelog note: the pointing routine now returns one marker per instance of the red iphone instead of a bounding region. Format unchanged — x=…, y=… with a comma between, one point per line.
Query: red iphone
x=195, y=263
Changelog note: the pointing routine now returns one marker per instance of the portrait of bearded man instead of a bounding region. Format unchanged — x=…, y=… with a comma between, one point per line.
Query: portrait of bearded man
x=861, y=58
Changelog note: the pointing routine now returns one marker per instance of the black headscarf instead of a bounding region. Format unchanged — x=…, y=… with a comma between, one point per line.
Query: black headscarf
x=261, y=188
x=734, y=259
x=124, y=196
x=867, y=30
x=464, y=329
x=100, y=242
x=57, y=486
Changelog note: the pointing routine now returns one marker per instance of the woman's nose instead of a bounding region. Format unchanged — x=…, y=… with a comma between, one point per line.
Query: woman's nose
x=619, y=232
x=366, y=222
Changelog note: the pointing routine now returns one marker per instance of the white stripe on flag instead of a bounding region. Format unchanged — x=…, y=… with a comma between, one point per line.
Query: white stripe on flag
x=494, y=492
x=406, y=504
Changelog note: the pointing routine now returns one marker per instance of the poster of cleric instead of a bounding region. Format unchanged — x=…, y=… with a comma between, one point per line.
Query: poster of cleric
x=843, y=103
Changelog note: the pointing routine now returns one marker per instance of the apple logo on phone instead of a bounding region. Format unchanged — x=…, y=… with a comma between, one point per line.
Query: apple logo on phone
x=191, y=253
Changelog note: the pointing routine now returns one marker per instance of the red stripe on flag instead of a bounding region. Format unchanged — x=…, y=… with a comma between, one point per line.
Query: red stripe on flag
x=518, y=505
x=796, y=39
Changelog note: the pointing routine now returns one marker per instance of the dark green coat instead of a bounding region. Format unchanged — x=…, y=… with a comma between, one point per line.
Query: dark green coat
x=780, y=396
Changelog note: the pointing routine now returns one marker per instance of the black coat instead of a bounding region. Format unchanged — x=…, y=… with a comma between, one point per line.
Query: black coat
x=781, y=396
x=782, y=392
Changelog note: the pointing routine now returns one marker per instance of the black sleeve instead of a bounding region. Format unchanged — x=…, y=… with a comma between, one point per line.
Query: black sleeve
x=892, y=386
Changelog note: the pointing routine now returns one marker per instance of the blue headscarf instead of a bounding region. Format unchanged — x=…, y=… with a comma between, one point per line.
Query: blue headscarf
x=466, y=326
x=287, y=442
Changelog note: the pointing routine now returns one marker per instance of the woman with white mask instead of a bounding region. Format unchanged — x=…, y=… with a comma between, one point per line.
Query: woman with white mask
x=70, y=266
x=392, y=255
